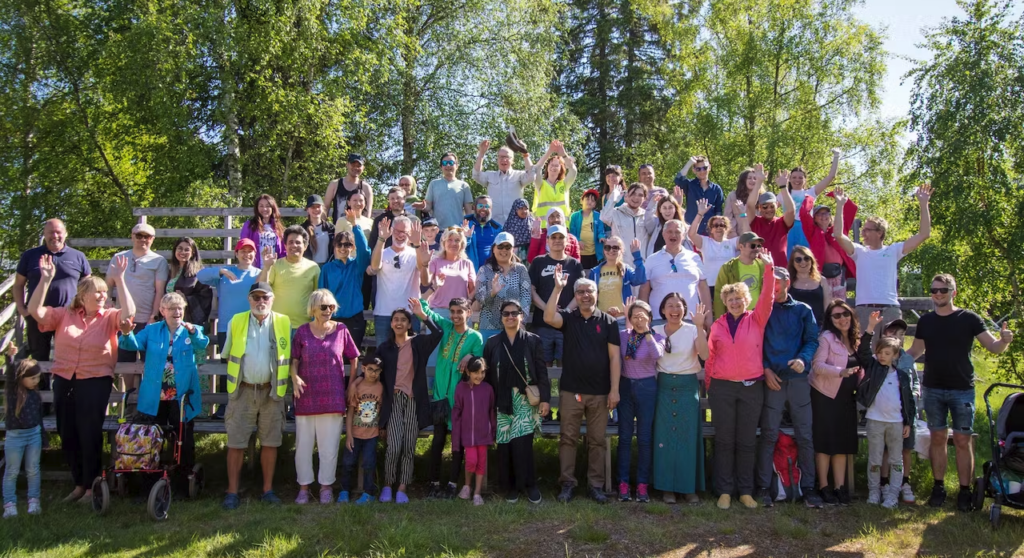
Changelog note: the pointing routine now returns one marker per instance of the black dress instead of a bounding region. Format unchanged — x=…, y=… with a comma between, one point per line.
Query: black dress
x=815, y=298
x=834, y=426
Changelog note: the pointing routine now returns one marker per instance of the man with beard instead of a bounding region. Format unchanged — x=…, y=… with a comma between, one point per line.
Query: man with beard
x=480, y=231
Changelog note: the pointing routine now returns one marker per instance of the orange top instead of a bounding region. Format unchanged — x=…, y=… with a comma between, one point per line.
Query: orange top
x=86, y=348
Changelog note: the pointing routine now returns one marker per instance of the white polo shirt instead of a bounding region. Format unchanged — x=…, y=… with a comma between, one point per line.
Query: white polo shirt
x=689, y=272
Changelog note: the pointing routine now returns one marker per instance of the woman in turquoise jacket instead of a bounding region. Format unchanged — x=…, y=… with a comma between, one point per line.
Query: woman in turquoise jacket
x=170, y=370
x=618, y=273
x=598, y=234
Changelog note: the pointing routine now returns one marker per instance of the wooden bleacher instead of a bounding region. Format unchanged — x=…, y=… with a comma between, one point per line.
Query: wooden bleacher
x=229, y=233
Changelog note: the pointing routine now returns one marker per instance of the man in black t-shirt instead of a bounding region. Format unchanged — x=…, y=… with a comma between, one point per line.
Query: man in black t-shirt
x=542, y=282
x=590, y=380
x=946, y=337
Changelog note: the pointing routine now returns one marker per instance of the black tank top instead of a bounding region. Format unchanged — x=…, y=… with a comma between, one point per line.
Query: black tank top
x=342, y=194
x=815, y=298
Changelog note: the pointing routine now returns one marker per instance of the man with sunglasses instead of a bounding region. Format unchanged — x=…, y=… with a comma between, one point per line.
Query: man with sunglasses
x=946, y=338
x=448, y=198
x=395, y=209
x=398, y=279
x=506, y=184
x=877, y=264
x=699, y=188
x=480, y=230
x=145, y=279
x=763, y=219
x=674, y=269
x=745, y=268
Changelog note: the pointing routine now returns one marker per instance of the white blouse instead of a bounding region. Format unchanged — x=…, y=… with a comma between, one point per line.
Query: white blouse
x=683, y=356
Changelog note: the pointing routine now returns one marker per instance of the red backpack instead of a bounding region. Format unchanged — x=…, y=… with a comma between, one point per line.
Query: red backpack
x=786, y=477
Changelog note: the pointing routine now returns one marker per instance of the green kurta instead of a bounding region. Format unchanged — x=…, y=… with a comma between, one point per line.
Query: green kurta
x=450, y=352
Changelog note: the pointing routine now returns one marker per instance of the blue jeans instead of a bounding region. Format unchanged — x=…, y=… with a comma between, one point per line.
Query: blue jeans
x=382, y=327
x=637, y=399
x=367, y=449
x=550, y=342
x=958, y=403
x=25, y=445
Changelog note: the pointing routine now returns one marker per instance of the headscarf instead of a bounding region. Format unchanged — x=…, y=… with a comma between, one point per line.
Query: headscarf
x=519, y=228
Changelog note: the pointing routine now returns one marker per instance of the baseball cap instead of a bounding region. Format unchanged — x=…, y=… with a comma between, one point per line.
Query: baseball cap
x=144, y=228
x=781, y=273
x=556, y=229
x=431, y=223
x=818, y=208
x=766, y=197
x=353, y=157
x=245, y=243
x=591, y=192
x=261, y=286
x=315, y=199
x=745, y=238
x=505, y=237
x=897, y=323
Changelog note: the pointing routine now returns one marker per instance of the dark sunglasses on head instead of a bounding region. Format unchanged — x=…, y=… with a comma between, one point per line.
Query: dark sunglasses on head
x=700, y=169
x=325, y=307
x=260, y=298
x=843, y=314
x=448, y=163
x=940, y=290
x=510, y=313
x=801, y=259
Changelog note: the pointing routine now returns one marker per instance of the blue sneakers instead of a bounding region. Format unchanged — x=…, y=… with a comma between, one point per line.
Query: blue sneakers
x=343, y=497
x=364, y=499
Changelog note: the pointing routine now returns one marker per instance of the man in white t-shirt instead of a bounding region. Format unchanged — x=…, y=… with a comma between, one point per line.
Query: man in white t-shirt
x=878, y=265
x=395, y=268
x=674, y=269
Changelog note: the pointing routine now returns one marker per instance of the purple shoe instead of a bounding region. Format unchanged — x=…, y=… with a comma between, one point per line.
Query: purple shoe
x=385, y=495
x=303, y=497
x=401, y=498
x=326, y=495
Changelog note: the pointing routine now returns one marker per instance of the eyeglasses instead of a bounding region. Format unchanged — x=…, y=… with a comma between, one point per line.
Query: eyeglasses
x=503, y=247
x=718, y=226
x=700, y=169
x=346, y=245
x=448, y=163
x=940, y=290
x=585, y=291
x=612, y=248
x=326, y=307
x=483, y=206
x=801, y=259
x=398, y=264
x=260, y=298
x=510, y=314
x=843, y=314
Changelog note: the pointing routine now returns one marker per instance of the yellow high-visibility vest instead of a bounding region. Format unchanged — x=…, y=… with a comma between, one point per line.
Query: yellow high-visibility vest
x=280, y=351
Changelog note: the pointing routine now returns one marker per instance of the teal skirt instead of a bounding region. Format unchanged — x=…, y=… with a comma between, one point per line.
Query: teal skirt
x=678, y=439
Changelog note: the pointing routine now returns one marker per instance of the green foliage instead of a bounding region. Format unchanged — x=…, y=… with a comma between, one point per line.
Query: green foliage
x=967, y=111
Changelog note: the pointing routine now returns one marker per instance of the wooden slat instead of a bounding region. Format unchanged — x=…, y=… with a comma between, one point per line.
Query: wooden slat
x=99, y=242
x=100, y=266
x=197, y=233
x=6, y=339
x=7, y=313
x=917, y=303
x=209, y=211
x=205, y=254
x=7, y=284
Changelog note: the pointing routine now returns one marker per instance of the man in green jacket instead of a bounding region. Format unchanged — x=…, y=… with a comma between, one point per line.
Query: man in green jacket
x=745, y=268
x=459, y=340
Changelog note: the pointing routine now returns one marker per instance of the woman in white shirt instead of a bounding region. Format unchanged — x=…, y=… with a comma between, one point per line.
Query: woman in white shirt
x=678, y=435
x=716, y=249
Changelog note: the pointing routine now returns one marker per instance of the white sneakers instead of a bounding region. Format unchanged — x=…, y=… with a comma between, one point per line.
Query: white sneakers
x=10, y=510
x=874, y=497
x=907, y=492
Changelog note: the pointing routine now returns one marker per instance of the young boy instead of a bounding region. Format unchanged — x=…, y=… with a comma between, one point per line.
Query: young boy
x=897, y=329
x=362, y=430
x=430, y=235
x=886, y=392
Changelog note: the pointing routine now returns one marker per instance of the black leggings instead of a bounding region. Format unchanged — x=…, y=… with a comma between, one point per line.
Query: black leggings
x=437, y=454
x=167, y=416
x=515, y=464
x=81, y=408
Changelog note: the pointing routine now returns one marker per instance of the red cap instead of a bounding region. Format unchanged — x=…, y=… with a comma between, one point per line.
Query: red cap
x=245, y=243
x=591, y=191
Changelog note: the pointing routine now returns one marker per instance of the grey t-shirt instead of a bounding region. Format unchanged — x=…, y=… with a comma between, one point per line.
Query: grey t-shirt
x=447, y=199
x=140, y=278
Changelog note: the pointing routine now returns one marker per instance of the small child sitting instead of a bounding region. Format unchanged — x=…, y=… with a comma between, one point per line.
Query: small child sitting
x=474, y=424
x=886, y=392
x=362, y=430
x=24, y=443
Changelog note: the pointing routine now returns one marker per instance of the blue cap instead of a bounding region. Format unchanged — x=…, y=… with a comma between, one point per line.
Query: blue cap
x=557, y=229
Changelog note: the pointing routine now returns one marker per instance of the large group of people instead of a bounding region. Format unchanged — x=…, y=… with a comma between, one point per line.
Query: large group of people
x=644, y=297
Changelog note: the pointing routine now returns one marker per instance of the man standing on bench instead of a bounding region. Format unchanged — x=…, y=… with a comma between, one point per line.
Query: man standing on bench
x=258, y=346
x=590, y=381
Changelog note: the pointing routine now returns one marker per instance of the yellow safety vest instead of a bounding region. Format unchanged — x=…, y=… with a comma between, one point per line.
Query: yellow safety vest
x=548, y=196
x=280, y=351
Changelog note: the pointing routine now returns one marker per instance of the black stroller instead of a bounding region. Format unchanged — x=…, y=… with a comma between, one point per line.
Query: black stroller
x=1007, y=454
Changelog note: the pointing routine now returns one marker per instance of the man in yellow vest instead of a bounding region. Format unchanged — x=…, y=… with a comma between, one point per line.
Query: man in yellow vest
x=258, y=346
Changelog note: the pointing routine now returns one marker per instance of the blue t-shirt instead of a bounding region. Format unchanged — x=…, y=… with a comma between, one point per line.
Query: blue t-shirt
x=232, y=296
x=693, y=192
x=71, y=266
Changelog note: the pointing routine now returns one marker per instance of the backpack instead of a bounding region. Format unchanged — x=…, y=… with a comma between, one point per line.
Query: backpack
x=138, y=446
x=786, y=474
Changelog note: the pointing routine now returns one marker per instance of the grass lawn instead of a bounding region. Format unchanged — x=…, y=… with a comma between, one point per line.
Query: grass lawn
x=201, y=528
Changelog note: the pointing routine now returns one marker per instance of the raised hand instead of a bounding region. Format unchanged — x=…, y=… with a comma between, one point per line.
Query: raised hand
x=119, y=268
x=484, y=146
x=497, y=283
x=924, y=193
x=840, y=196
x=535, y=227
x=693, y=160
x=416, y=232
x=12, y=350
x=759, y=173
x=836, y=152
x=629, y=301
x=634, y=245
x=417, y=308
x=269, y=256
x=699, y=316
x=47, y=270
x=1006, y=334
x=561, y=279
x=467, y=230
x=874, y=319
x=677, y=193
x=766, y=257
x=384, y=228
x=782, y=179
x=615, y=312
x=703, y=206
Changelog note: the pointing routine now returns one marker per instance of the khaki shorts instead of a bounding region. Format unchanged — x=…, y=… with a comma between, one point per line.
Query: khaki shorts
x=249, y=408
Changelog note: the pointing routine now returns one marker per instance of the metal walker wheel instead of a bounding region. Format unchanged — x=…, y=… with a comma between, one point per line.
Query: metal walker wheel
x=100, y=495
x=160, y=500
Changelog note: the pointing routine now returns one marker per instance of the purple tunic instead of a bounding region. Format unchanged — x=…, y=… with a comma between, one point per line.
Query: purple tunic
x=322, y=367
x=645, y=363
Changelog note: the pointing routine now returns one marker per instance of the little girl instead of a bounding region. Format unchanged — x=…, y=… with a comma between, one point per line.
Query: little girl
x=474, y=422
x=24, y=434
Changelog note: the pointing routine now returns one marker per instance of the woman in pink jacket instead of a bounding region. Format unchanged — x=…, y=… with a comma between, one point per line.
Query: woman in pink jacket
x=735, y=377
x=834, y=376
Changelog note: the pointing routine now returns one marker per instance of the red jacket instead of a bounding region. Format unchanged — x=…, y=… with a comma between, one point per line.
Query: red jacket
x=739, y=358
x=539, y=246
x=817, y=238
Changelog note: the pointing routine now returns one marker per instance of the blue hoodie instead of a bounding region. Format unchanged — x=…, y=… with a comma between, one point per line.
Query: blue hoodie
x=576, y=226
x=791, y=333
x=344, y=279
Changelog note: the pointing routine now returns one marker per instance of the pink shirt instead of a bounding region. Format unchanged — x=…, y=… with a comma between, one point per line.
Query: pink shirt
x=86, y=348
x=829, y=362
x=458, y=275
x=738, y=359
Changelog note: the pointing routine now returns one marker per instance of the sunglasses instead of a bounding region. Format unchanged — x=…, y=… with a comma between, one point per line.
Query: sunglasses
x=755, y=246
x=510, y=313
x=700, y=169
x=843, y=314
x=260, y=298
x=504, y=247
x=483, y=206
x=448, y=163
x=672, y=265
x=940, y=290
x=346, y=245
x=612, y=248
x=668, y=345
x=398, y=264
x=325, y=307
x=143, y=236
x=718, y=226
x=801, y=259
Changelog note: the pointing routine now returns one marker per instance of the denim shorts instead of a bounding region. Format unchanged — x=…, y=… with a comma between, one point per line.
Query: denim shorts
x=550, y=342
x=938, y=403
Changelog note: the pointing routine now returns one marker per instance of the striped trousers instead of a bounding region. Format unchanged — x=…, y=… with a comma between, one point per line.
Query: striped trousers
x=402, y=431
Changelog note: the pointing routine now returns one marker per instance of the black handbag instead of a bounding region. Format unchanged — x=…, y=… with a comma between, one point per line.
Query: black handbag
x=832, y=270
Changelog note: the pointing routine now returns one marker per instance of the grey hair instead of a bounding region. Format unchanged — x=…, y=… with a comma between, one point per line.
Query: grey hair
x=318, y=297
x=581, y=282
x=401, y=219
